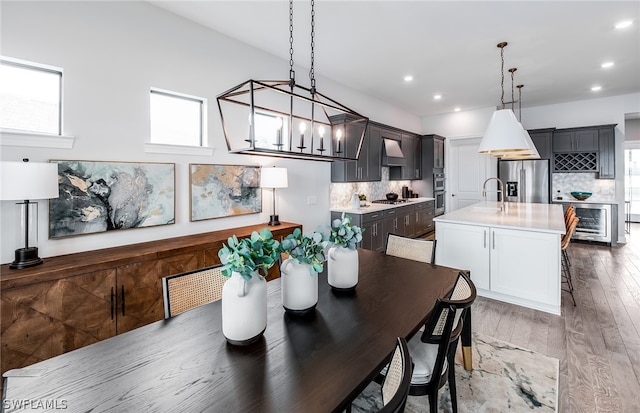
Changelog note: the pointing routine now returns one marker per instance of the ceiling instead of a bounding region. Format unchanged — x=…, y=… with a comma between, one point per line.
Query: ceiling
x=448, y=47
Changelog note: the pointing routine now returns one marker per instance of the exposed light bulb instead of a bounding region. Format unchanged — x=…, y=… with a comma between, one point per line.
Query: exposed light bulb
x=596, y=88
x=437, y=97
x=606, y=65
x=408, y=78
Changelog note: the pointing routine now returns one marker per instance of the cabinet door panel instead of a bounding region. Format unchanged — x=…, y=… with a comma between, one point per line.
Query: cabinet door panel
x=586, y=140
x=139, y=295
x=87, y=307
x=563, y=141
x=528, y=276
x=465, y=247
x=46, y=319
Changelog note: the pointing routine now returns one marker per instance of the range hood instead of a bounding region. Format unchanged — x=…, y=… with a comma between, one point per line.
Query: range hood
x=392, y=153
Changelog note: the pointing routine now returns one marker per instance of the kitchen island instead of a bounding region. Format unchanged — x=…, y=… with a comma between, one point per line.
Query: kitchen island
x=513, y=256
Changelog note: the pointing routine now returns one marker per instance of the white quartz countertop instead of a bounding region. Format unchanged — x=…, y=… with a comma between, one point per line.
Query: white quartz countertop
x=523, y=216
x=380, y=207
x=587, y=201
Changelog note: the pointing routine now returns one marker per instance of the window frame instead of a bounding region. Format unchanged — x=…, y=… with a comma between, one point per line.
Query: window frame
x=202, y=116
x=6, y=60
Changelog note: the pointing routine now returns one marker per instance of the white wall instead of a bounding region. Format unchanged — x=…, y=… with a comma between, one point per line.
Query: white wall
x=112, y=53
x=591, y=112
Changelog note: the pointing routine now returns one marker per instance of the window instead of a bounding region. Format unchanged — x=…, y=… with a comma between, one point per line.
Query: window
x=30, y=96
x=177, y=119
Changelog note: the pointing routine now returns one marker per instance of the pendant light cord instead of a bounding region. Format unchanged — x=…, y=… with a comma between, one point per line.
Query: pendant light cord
x=520, y=102
x=292, y=73
x=512, y=71
x=502, y=45
x=312, y=74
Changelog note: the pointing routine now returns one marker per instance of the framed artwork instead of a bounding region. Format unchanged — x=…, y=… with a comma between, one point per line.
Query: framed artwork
x=218, y=191
x=97, y=196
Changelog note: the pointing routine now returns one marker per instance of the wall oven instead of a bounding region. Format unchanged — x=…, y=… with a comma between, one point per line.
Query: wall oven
x=438, y=182
x=439, y=204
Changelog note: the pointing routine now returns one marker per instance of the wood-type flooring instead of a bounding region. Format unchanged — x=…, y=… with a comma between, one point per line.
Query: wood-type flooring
x=597, y=341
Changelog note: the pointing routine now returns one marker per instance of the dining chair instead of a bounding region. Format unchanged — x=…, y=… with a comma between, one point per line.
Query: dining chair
x=565, y=269
x=433, y=352
x=182, y=292
x=395, y=384
x=417, y=249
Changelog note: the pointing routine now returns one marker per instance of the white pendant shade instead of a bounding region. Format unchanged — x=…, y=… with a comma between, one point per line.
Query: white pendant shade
x=273, y=178
x=531, y=153
x=28, y=180
x=504, y=135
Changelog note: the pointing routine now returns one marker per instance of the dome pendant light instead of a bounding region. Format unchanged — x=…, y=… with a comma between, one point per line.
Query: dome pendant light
x=504, y=134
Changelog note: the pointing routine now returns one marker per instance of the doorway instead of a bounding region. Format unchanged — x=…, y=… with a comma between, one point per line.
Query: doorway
x=468, y=171
x=632, y=182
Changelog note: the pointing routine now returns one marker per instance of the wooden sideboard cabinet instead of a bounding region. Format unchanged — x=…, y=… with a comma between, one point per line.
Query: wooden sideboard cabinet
x=78, y=299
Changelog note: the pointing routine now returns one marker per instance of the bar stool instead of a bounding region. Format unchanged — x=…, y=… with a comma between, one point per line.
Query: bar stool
x=568, y=215
x=565, y=264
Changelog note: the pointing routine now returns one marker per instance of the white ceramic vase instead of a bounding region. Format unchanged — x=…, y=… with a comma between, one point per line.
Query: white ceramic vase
x=342, y=268
x=299, y=287
x=244, y=308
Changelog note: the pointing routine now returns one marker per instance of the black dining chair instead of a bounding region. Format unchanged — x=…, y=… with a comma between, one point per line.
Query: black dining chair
x=433, y=352
x=417, y=249
x=395, y=384
x=182, y=292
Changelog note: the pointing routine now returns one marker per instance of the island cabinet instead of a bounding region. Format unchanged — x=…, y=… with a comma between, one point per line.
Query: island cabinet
x=75, y=300
x=508, y=259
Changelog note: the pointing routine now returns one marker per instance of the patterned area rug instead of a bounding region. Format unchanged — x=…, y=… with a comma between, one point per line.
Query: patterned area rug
x=504, y=378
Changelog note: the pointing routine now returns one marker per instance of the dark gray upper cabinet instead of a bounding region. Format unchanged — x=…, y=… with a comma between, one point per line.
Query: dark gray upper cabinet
x=367, y=167
x=542, y=140
x=575, y=140
x=607, y=155
x=432, y=154
x=411, y=148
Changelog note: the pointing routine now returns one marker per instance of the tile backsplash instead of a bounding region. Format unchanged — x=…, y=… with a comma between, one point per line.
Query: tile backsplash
x=341, y=193
x=604, y=190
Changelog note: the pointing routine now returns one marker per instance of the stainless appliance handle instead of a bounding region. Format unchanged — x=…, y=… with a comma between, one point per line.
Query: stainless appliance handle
x=523, y=185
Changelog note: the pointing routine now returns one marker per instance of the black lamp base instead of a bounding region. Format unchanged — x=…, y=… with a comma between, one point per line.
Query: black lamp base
x=274, y=220
x=25, y=258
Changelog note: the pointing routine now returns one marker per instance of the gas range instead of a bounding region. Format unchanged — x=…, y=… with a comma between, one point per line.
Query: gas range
x=388, y=202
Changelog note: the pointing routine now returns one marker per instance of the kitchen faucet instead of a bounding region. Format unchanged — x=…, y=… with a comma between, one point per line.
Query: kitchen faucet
x=501, y=190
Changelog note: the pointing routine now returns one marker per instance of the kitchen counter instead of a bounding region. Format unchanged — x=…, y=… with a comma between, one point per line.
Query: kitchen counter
x=379, y=207
x=513, y=256
x=587, y=201
x=524, y=216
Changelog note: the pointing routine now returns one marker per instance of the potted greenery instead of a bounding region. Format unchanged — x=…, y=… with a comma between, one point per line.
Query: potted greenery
x=342, y=266
x=244, y=295
x=299, y=280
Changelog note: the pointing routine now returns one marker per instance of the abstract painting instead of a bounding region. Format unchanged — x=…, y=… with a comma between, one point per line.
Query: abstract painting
x=224, y=190
x=96, y=196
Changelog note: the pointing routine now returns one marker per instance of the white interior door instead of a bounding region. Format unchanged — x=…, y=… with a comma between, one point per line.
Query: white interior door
x=466, y=172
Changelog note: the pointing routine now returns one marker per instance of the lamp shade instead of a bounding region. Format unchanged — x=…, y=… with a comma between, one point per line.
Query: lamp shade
x=504, y=135
x=28, y=180
x=531, y=153
x=273, y=178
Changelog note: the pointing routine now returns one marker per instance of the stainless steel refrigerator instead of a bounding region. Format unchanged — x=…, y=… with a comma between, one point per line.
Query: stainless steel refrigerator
x=526, y=181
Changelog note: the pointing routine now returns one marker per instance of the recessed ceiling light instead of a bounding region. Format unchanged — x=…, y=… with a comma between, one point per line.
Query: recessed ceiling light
x=408, y=78
x=457, y=109
x=624, y=24
x=437, y=97
x=596, y=88
x=606, y=65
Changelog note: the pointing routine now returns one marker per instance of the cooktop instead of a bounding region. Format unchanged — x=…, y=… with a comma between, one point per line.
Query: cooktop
x=386, y=201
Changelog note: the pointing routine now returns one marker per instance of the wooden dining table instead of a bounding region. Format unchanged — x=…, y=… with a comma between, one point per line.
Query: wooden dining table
x=315, y=363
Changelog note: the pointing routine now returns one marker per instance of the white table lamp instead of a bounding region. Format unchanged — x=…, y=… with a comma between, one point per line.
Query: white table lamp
x=25, y=181
x=274, y=178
